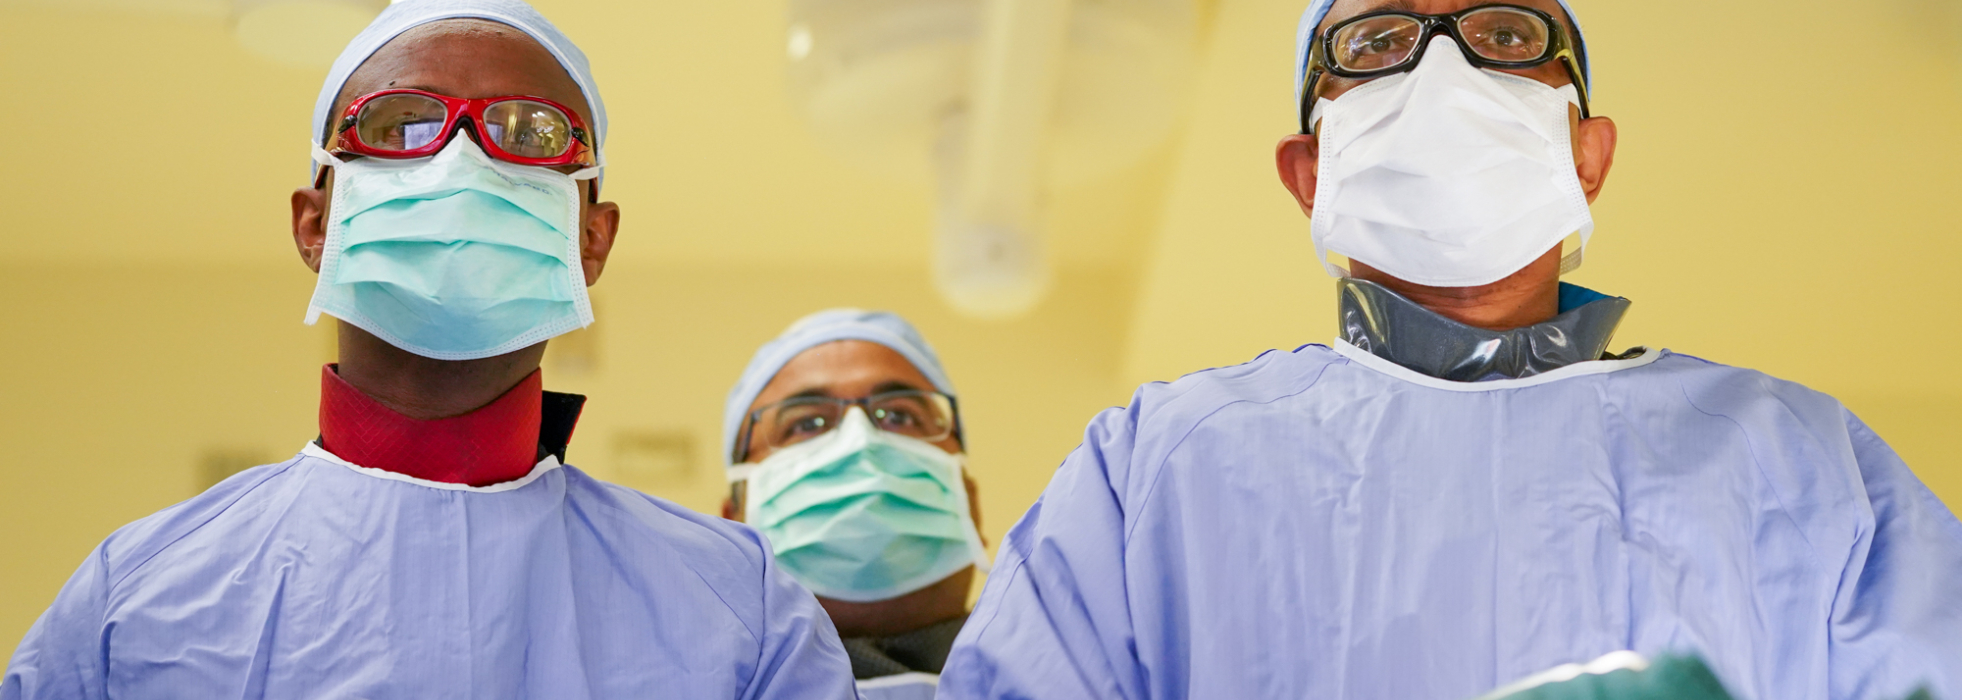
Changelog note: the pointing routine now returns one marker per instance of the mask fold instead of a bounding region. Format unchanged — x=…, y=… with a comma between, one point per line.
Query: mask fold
x=453, y=257
x=860, y=514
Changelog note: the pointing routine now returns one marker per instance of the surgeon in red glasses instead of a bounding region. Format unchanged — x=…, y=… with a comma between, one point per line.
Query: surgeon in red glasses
x=430, y=543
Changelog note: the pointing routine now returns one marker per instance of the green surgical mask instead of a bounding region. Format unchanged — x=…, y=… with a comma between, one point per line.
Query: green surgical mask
x=860, y=514
x=453, y=257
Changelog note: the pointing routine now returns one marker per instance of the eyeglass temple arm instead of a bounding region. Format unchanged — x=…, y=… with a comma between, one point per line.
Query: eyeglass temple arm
x=1308, y=99
x=1314, y=79
x=1566, y=58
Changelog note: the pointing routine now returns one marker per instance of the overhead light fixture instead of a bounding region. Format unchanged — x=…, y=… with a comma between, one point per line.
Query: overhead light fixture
x=301, y=33
x=996, y=102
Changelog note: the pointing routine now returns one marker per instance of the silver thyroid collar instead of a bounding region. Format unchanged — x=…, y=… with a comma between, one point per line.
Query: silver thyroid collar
x=1389, y=326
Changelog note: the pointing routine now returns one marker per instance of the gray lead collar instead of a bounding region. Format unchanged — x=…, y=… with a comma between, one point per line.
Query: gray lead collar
x=1389, y=326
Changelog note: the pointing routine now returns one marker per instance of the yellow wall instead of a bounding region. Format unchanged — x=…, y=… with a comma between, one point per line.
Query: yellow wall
x=1785, y=199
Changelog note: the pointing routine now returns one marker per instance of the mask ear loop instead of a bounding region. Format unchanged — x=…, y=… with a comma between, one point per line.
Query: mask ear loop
x=1321, y=250
x=323, y=158
x=740, y=474
x=592, y=172
x=1572, y=261
x=972, y=532
x=328, y=161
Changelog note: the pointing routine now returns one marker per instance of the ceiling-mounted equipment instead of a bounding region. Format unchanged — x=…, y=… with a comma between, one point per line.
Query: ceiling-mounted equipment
x=996, y=102
x=301, y=33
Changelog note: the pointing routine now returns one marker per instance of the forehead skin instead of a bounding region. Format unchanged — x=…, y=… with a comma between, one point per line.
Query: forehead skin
x=843, y=369
x=468, y=58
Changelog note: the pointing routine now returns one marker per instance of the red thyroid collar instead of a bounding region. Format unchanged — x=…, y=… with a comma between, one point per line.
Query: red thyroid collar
x=490, y=445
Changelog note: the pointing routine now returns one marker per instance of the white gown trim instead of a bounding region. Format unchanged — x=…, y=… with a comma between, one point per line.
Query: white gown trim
x=900, y=679
x=544, y=467
x=1579, y=369
x=905, y=686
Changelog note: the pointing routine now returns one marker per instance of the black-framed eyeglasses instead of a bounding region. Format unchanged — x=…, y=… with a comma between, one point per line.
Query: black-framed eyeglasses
x=928, y=416
x=1491, y=36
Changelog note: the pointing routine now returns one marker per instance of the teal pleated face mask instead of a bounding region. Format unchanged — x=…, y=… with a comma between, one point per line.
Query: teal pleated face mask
x=453, y=257
x=860, y=514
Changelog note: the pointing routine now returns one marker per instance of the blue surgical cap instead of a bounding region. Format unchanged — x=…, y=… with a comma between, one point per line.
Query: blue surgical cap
x=1318, y=10
x=409, y=14
x=882, y=327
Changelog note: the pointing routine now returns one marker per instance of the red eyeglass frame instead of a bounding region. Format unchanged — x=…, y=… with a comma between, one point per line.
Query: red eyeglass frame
x=455, y=108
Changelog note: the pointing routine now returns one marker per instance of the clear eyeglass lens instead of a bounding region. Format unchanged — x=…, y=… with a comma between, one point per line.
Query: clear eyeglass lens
x=529, y=129
x=927, y=417
x=1376, y=43
x=796, y=420
x=400, y=122
x=920, y=415
x=1503, y=34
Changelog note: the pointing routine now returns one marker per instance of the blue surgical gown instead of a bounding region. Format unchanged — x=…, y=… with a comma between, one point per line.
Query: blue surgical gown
x=1324, y=524
x=314, y=579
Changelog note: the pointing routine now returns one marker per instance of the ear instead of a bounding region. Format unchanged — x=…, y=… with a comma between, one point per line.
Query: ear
x=310, y=224
x=596, y=237
x=1297, y=157
x=1594, y=153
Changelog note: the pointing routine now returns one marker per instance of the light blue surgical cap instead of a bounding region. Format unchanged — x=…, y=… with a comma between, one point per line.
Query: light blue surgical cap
x=409, y=14
x=1318, y=10
x=882, y=327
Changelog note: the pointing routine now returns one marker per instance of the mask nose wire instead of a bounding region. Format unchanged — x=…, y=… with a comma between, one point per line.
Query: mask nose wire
x=1410, y=67
x=1443, y=34
x=475, y=130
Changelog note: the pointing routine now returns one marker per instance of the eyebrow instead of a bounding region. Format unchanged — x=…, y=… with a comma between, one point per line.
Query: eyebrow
x=823, y=392
x=1386, y=5
x=816, y=392
x=1398, y=5
x=895, y=385
x=425, y=88
x=1404, y=6
x=1566, y=21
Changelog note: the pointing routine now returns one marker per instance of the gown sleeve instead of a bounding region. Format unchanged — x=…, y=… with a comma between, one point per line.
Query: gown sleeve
x=1896, y=622
x=801, y=658
x=1054, y=620
x=62, y=654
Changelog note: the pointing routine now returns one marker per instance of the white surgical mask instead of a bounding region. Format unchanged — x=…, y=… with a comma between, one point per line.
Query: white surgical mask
x=453, y=257
x=1448, y=175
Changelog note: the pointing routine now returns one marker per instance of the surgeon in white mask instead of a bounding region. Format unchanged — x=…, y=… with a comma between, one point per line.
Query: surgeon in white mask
x=1466, y=485
x=846, y=451
x=1448, y=156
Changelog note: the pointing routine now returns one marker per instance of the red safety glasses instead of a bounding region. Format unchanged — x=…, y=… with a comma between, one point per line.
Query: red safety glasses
x=416, y=124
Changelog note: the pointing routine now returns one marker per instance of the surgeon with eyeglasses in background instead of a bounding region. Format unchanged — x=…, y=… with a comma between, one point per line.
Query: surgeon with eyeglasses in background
x=845, y=449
